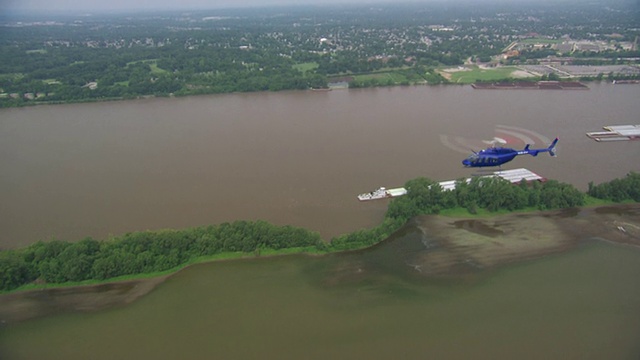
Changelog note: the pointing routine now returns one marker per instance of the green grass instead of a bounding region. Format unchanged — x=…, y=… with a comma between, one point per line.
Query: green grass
x=155, y=69
x=591, y=201
x=478, y=74
x=153, y=64
x=463, y=212
x=540, y=41
x=304, y=67
x=39, y=51
x=94, y=282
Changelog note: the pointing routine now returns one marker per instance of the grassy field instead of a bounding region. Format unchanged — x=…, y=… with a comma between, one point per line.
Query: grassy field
x=155, y=69
x=540, y=41
x=153, y=64
x=475, y=74
x=304, y=67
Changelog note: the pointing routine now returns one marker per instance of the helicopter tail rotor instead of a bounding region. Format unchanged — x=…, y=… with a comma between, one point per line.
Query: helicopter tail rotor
x=552, y=148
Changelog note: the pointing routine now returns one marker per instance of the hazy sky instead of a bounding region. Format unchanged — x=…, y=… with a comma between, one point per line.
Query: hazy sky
x=75, y=6
x=97, y=5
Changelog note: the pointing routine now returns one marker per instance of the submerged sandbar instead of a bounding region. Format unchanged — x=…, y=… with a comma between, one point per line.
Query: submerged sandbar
x=466, y=244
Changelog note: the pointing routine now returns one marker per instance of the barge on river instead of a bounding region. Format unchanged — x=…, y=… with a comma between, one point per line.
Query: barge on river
x=531, y=85
x=616, y=133
x=382, y=193
x=513, y=176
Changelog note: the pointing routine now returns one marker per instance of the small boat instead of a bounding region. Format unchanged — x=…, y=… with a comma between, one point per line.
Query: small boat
x=379, y=193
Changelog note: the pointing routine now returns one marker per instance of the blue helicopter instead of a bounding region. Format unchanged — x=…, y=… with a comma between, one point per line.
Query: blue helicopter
x=496, y=156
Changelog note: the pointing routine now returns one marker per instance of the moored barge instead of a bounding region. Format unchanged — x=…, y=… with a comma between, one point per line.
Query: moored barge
x=616, y=133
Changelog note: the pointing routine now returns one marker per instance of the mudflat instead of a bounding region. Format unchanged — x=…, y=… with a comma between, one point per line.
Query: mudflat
x=459, y=245
x=25, y=305
x=453, y=246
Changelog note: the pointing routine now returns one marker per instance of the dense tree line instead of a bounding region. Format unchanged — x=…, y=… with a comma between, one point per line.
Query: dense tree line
x=151, y=251
x=142, y=252
x=366, y=237
x=491, y=193
x=618, y=190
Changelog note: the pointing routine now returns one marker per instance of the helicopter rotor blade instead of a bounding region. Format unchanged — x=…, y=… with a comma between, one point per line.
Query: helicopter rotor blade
x=494, y=141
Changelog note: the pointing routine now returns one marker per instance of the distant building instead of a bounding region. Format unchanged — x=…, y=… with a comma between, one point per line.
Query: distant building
x=564, y=47
x=511, y=53
x=440, y=28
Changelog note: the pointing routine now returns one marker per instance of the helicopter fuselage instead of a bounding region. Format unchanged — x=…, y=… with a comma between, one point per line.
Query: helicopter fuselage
x=496, y=156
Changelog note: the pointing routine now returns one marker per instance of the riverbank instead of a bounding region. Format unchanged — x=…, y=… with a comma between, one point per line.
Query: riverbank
x=456, y=246
x=25, y=305
x=365, y=80
x=47, y=299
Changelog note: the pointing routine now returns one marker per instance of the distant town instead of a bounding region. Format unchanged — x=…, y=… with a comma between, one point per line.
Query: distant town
x=93, y=57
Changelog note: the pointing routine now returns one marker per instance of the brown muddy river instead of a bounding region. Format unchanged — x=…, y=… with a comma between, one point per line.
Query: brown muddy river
x=298, y=158
x=581, y=305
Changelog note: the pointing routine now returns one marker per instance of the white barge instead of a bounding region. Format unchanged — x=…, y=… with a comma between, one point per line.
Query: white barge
x=382, y=193
x=616, y=133
x=514, y=176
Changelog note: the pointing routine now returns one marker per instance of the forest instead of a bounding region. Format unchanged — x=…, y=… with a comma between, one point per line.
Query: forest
x=73, y=58
x=60, y=262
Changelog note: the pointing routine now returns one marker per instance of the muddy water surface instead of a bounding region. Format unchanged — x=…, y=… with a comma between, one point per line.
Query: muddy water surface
x=299, y=158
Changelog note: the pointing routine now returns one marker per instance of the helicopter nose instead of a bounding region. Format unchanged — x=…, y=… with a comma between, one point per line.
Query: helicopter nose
x=466, y=162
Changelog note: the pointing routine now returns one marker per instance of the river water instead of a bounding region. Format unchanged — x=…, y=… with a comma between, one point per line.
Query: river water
x=581, y=305
x=300, y=158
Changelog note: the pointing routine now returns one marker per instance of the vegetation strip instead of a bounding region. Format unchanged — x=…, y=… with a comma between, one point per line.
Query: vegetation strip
x=153, y=253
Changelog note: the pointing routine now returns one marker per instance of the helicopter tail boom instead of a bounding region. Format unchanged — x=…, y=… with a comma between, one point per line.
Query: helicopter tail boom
x=534, y=152
x=552, y=147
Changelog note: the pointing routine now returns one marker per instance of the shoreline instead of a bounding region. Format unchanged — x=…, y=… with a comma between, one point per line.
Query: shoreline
x=30, y=304
x=507, y=83
x=461, y=245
